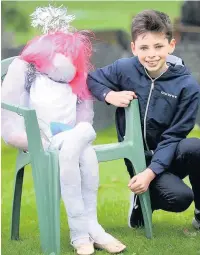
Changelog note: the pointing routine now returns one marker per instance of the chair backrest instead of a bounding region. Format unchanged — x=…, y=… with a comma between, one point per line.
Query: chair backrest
x=4, y=66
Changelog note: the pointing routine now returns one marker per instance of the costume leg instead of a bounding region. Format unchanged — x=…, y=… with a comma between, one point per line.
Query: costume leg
x=90, y=183
x=71, y=143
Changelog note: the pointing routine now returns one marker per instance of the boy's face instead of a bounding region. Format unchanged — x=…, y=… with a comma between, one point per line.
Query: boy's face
x=152, y=49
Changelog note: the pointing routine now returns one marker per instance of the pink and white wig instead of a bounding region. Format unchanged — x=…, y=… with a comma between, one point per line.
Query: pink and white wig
x=76, y=46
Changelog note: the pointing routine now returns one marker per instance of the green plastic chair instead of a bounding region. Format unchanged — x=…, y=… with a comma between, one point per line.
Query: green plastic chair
x=45, y=171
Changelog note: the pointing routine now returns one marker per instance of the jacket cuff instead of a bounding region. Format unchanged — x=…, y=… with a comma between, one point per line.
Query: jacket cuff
x=156, y=168
x=104, y=94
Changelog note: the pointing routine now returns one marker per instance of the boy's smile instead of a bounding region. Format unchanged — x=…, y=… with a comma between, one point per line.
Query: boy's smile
x=152, y=49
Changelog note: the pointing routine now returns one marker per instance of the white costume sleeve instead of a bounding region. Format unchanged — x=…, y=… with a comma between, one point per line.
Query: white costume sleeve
x=85, y=112
x=13, y=92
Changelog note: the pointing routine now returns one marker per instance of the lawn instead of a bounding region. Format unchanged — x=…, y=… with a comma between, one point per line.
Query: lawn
x=173, y=233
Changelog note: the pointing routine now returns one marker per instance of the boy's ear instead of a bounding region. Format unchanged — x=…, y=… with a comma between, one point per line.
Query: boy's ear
x=172, y=45
x=133, y=49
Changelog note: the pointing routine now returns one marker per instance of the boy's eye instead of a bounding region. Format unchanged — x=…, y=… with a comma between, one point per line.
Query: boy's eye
x=159, y=46
x=143, y=48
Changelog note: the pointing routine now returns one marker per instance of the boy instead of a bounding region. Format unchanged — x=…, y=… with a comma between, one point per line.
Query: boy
x=168, y=98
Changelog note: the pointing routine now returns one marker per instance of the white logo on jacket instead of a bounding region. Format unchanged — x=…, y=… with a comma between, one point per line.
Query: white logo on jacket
x=167, y=94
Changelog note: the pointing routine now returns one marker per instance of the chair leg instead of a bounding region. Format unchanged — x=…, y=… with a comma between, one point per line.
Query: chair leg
x=47, y=189
x=144, y=200
x=17, y=204
x=147, y=213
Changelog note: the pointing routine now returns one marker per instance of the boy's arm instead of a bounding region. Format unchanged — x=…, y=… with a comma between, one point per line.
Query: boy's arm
x=183, y=122
x=104, y=84
x=103, y=80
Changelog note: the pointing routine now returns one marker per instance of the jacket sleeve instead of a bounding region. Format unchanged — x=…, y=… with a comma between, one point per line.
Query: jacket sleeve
x=183, y=122
x=104, y=80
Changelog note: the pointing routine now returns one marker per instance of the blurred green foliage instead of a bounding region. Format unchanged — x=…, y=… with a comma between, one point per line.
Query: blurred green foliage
x=89, y=15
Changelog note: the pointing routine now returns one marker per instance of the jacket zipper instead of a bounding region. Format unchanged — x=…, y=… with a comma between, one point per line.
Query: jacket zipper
x=147, y=107
x=145, y=115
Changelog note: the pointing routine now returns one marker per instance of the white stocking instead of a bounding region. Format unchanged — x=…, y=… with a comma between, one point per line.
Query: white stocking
x=90, y=183
x=71, y=143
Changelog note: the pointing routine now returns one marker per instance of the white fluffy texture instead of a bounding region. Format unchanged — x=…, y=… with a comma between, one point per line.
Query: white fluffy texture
x=13, y=92
x=51, y=19
x=84, y=111
x=72, y=143
x=86, y=132
x=63, y=69
x=79, y=178
x=53, y=102
x=89, y=186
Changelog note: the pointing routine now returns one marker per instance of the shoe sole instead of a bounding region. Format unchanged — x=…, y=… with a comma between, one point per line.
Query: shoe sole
x=130, y=209
x=195, y=224
x=106, y=248
x=84, y=252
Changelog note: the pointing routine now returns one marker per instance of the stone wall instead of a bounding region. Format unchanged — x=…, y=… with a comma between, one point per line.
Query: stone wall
x=190, y=53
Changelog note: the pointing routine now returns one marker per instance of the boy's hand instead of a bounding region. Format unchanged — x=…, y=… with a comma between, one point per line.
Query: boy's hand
x=140, y=182
x=120, y=99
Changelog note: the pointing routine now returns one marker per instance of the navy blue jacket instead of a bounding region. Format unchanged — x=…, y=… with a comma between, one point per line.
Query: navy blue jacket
x=168, y=106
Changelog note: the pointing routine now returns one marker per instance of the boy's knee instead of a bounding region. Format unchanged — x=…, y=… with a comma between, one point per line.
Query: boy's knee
x=189, y=147
x=183, y=200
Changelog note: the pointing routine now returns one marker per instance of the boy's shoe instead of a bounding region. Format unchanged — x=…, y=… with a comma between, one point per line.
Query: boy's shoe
x=196, y=220
x=135, y=217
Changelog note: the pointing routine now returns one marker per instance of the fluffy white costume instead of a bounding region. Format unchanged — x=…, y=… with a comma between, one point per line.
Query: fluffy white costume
x=55, y=102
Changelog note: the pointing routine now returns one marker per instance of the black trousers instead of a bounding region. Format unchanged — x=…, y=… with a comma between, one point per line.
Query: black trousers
x=168, y=191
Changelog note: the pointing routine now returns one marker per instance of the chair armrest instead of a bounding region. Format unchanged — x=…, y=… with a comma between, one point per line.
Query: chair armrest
x=13, y=108
x=133, y=137
x=112, y=151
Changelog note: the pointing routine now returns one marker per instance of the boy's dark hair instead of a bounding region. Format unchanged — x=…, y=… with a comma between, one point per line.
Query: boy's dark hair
x=151, y=21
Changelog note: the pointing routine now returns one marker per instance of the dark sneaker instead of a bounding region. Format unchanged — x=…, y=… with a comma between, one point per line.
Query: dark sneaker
x=196, y=220
x=135, y=218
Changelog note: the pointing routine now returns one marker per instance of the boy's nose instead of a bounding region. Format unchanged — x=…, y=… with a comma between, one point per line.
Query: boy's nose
x=152, y=54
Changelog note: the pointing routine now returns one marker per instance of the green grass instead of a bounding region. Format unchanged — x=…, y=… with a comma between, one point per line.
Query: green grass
x=97, y=14
x=173, y=233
